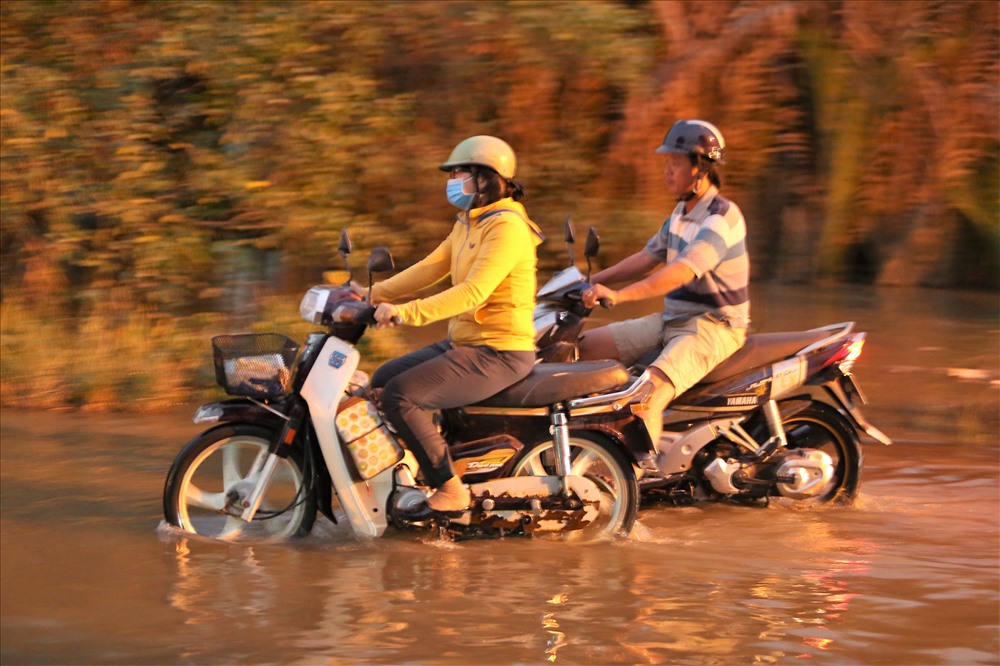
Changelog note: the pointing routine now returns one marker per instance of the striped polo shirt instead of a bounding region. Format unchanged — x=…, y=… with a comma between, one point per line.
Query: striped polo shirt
x=711, y=241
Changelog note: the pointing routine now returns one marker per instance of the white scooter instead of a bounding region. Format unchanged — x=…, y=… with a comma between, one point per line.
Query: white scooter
x=553, y=454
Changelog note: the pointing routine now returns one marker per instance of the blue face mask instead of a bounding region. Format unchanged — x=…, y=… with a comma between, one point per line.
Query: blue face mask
x=456, y=196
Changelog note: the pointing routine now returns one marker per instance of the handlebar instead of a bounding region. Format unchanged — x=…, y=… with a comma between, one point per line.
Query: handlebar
x=367, y=316
x=605, y=303
x=575, y=293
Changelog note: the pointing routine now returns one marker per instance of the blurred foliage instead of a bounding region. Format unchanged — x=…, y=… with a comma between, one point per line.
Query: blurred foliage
x=171, y=169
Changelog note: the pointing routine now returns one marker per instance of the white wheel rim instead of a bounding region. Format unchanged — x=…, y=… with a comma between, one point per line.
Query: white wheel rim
x=234, y=467
x=593, y=462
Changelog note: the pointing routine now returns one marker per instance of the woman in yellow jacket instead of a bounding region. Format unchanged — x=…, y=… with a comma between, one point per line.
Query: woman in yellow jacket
x=490, y=258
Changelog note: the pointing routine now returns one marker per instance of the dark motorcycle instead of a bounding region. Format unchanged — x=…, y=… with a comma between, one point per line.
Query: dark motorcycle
x=781, y=418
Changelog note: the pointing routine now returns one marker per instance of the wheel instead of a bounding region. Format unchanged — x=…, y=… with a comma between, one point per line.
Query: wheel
x=821, y=427
x=211, y=477
x=594, y=457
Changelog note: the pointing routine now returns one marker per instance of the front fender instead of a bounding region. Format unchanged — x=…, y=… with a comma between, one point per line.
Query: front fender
x=242, y=410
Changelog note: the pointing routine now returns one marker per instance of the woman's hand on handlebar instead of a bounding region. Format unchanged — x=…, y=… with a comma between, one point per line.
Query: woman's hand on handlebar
x=386, y=314
x=599, y=294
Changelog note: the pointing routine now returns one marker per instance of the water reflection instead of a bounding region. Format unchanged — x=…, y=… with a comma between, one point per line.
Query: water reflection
x=410, y=599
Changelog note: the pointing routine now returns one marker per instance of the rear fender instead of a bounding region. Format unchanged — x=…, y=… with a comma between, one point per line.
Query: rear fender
x=846, y=393
x=629, y=433
x=789, y=408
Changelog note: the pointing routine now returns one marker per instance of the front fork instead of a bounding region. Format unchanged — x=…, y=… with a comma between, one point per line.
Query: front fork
x=265, y=464
x=560, y=443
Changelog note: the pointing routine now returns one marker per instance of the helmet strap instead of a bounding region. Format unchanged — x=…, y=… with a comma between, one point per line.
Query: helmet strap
x=477, y=195
x=694, y=188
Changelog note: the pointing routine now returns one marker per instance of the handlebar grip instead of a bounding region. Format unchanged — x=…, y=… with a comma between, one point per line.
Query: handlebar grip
x=605, y=303
x=367, y=316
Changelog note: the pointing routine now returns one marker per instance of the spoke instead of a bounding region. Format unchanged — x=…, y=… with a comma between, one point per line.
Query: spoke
x=231, y=466
x=211, y=501
x=285, y=472
x=582, y=463
x=232, y=529
x=535, y=467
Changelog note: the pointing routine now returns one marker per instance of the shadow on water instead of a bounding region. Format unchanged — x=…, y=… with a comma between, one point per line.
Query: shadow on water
x=909, y=574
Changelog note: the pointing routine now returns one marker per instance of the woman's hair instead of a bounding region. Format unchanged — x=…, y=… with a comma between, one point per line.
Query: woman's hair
x=495, y=187
x=707, y=167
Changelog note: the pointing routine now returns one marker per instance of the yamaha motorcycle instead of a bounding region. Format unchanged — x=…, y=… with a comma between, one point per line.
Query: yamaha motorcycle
x=554, y=454
x=780, y=419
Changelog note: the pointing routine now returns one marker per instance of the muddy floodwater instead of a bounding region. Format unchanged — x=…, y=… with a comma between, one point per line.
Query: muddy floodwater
x=910, y=574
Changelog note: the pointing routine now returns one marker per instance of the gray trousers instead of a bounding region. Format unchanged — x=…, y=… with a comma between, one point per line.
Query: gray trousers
x=441, y=376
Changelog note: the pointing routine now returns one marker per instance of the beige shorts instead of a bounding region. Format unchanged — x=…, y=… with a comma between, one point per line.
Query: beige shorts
x=691, y=347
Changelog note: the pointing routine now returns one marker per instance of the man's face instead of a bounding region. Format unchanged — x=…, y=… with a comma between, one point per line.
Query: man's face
x=678, y=174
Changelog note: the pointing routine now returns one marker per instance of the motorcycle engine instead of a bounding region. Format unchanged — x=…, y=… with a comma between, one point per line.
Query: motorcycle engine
x=407, y=498
x=804, y=474
x=801, y=474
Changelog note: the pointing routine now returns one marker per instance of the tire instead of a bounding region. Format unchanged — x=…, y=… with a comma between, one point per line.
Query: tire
x=208, y=482
x=819, y=426
x=594, y=457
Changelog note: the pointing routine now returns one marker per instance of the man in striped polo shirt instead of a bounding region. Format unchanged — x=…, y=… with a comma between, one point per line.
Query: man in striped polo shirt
x=698, y=261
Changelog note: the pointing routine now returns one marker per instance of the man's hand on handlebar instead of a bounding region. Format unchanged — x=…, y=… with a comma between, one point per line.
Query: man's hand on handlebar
x=599, y=294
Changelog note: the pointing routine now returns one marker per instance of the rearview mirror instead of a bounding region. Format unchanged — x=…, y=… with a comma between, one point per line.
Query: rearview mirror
x=570, y=238
x=593, y=243
x=570, y=234
x=346, y=246
x=380, y=260
x=590, y=249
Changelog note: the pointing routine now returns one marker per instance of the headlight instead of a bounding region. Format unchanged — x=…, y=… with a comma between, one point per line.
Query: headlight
x=313, y=303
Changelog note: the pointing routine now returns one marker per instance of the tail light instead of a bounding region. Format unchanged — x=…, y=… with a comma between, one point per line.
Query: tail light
x=854, y=349
x=849, y=353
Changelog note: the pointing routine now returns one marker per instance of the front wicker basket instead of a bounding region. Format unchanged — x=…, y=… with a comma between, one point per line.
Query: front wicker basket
x=255, y=365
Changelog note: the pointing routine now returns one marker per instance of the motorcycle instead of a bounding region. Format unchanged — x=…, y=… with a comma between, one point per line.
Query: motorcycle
x=781, y=418
x=301, y=436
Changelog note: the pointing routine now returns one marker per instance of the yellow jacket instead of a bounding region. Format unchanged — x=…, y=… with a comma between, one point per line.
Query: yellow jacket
x=491, y=260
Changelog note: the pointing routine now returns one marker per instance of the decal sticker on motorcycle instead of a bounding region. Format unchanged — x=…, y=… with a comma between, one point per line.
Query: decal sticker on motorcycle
x=485, y=465
x=787, y=375
x=337, y=359
x=752, y=396
x=490, y=462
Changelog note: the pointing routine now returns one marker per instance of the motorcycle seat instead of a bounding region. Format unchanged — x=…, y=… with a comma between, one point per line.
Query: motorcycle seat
x=760, y=349
x=550, y=383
